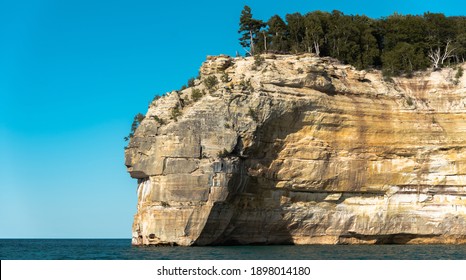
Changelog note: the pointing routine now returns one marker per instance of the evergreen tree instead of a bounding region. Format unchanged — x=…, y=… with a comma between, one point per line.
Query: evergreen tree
x=398, y=44
x=249, y=29
x=366, y=41
x=340, y=31
x=314, y=32
x=278, y=32
x=460, y=38
x=296, y=30
x=404, y=58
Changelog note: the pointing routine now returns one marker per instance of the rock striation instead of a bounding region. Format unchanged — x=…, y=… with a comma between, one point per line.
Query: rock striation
x=298, y=149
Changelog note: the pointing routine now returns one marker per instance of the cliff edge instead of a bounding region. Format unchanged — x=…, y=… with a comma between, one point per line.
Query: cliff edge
x=286, y=149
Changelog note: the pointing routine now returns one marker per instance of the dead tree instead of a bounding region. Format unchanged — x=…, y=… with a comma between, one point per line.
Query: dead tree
x=437, y=57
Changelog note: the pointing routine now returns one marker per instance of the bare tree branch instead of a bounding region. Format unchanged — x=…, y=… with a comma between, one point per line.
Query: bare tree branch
x=438, y=58
x=448, y=52
x=434, y=57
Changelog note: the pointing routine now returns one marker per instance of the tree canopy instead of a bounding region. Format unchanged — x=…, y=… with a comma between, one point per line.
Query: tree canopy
x=249, y=29
x=397, y=44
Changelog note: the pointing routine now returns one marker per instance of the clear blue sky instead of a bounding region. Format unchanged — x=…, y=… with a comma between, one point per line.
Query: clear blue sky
x=74, y=73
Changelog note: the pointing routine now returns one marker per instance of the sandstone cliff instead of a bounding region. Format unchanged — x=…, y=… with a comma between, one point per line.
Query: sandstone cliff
x=302, y=150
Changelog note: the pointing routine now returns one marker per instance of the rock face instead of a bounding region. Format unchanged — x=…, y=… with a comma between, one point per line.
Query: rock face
x=302, y=150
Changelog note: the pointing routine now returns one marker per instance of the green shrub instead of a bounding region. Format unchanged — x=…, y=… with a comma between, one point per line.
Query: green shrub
x=409, y=101
x=210, y=82
x=136, y=122
x=191, y=82
x=225, y=78
x=459, y=74
x=159, y=120
x=196, y=94
x=404, y=59
x=176, y=113
x=258, y=60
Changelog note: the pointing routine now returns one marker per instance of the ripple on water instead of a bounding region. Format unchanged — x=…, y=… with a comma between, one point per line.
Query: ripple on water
x=121, y=249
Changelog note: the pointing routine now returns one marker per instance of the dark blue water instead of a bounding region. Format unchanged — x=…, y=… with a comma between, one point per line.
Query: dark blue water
x=121, y=249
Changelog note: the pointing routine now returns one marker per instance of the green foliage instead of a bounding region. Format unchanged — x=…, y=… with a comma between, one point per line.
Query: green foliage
x=136, y=122
x=249, y=29
x=404, y=58
x=191, y=82
x=258, y=60
x=159, y=120
x=196, y=94
x=296, y=30
x=225, y=78
x=175, y=113
x=458, y=75
x=314, y=35
x=397, y=44
x=278, y=33
x=157, y=97
x=409, y=101
x=210, y=82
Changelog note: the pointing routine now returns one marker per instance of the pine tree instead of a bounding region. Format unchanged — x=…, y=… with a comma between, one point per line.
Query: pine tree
x=249, y=29
x=278, y=33
x=314, y=34
x=398, y=44
x=368, y=51
x=296, y=30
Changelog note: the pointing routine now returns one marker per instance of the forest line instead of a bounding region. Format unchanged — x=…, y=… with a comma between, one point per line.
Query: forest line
x=397, y=44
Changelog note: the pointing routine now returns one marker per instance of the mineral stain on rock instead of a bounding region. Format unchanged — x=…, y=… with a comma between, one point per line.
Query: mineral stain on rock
x=299, y=149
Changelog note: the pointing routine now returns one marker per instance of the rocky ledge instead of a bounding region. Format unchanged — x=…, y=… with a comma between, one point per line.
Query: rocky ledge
x=285, y=149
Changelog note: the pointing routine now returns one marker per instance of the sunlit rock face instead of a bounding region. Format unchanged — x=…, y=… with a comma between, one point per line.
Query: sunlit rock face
x=302, y=150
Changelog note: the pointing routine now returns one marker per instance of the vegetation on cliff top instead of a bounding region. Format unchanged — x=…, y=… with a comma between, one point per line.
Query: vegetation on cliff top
x=136, y=121
x=397, y=44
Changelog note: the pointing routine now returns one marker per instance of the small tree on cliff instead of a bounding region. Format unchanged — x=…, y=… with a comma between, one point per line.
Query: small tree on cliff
x=249, y=29
x=136, y=121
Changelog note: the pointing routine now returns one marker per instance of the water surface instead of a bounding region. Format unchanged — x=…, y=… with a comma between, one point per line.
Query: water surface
x=121, y=249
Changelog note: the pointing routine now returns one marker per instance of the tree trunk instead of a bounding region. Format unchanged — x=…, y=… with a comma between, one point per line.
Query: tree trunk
x=317, y=48
x=265, y=42
x=252, y=43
